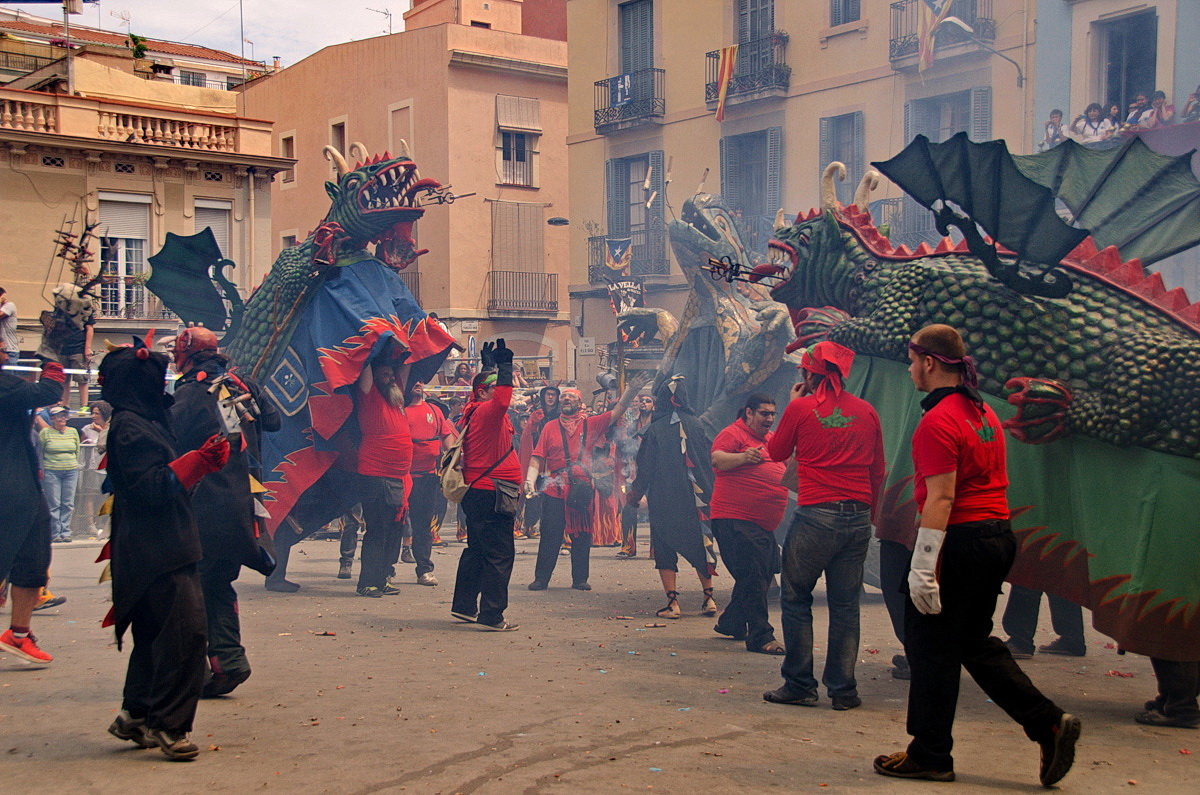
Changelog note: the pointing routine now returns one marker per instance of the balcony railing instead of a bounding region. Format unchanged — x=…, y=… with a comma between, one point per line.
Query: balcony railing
x=906, y=26
x=518, y=172
x=629, y=100
x=126, y=298
x=23, y=62
x=522, y=291
x=184, y=133
x=30, y=115
x=906, y=222
x=649, y=255
x=412, y=280
x=761, y=70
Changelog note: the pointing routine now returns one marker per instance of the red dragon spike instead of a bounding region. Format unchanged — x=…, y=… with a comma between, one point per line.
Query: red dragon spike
x=1128, y=274
x=1151, y=287
x=902, y=251
x=923, y=250
x=1085, y=250
x=1172, y=300
x=1104, y=261
x=1191, y=314
x=944, y=245
x=961, y=247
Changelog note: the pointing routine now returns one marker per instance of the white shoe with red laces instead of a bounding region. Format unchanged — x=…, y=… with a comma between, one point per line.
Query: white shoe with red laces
x=26, y=648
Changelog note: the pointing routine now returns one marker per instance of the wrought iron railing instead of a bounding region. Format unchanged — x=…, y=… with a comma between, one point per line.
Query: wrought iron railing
x=23, y=62
x=905, y=222
x=906, y=26
x=522, y=291
x=649, y=255
x=630, y=98
x=126, y=298
x=761, y=65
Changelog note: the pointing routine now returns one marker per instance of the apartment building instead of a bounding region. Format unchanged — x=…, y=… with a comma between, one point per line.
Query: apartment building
x=477, y=92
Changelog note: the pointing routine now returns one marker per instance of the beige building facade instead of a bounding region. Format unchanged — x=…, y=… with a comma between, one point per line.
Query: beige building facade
x=481, y=107
x=816, y=80
x=97, y=138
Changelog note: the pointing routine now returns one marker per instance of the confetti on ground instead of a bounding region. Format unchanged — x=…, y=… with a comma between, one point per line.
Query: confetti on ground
x=624, y=618
x=1110, y=645
x=674, y=654
x=869, y=651
x=656, y=770
x=603, y=671
x=1185, y=752
x=284, y=634
x=685, y=709
x=482, y=673
x=723, y=690
x=633, y=652
x=324, y=634
x=1121, y=674
x=654, y=626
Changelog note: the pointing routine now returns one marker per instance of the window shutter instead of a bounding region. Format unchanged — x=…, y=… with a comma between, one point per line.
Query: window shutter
x=518, y=114
x=504, y=235
x=857, y=169
x=981, y=113
x=615, y=172
x=743, y=20
x=774, y=197
x=216, y=219
x=730, y=157
x=825, y=149
x=637, y=35
x=129, y=219
x=853, y=10
x=655, y=220
x=909, y=132
x=530, y=229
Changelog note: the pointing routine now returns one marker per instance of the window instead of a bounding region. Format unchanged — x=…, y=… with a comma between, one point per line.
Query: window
x=287, y=148
x=516, y=159
x=337, y=138
x=518, y=120
x=627, y=197
x=942, y=116
x=636, y=25
x=843, y=11
x=751, y=165
x=1129, y=49
x=756, y=19
x=124, y=168
x=233, y=82
x=215, y=214
x=214, y=176
x=188, y=78
x=125, y=231
x=517, y=237
x=53, y=162
x=475, y=23
x=842, y=140
x=286, y=241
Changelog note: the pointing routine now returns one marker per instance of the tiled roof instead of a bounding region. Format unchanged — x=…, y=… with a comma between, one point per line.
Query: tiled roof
x=94, y=36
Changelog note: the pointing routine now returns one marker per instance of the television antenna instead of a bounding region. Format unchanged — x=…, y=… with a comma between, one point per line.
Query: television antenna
x=387, y=13
x=124, y=16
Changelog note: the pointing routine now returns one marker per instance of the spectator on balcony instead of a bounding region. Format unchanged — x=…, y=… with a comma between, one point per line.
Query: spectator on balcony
x=1054, y=134
x=1191, y=109
x=1159, y=114
x=1092, y=127
x=1136, y=109
x=462, y=375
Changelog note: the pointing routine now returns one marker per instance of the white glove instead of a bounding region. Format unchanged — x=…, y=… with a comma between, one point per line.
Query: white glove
x=923, y=586
x=530, y=489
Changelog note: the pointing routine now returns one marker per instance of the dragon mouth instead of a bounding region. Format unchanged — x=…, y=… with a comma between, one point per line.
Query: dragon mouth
x=781, y=262
x=394, y=189
x=696, y=220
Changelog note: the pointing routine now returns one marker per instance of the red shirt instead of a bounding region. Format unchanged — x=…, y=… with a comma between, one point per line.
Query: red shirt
x=752, y=492
x=954, y=437
x=838, y=447
x=549, y=448
x=489, y=436
x=386, y=449
x=428, y=427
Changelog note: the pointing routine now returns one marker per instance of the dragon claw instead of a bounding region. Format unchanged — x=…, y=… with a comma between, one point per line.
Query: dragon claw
x=1042, y=406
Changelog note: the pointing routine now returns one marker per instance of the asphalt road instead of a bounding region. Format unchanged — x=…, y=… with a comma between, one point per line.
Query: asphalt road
x=396, y=697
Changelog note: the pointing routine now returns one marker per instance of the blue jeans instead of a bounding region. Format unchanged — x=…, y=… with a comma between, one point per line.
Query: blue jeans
x=59, y=485
x=833, y=542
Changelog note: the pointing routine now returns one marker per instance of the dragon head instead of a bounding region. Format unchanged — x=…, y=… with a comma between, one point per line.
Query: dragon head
x=707, y=228
x=378, y=201
x=797, y=254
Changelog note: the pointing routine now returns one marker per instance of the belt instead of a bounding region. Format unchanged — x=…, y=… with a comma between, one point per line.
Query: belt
x=841, y=506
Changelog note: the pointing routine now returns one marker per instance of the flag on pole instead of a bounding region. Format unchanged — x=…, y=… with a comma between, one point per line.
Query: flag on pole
x=726, y=63
x=930, y=15
x=618, y=254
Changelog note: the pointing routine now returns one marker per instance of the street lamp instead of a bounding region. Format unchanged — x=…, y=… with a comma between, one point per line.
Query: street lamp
x=970, y=31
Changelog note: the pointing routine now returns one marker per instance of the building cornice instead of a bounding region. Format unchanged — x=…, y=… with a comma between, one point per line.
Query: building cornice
x=21, y=139
x=500, y=63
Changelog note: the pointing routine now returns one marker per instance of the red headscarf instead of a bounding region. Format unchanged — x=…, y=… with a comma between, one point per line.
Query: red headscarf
x=830, y=360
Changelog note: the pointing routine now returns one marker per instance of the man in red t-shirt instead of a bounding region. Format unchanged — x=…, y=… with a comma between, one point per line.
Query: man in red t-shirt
x=960, y=484
x=836, y=439
x=560, y=464
x=489, y=463
x=747, y=505
x=431, y=434
x=384, y=459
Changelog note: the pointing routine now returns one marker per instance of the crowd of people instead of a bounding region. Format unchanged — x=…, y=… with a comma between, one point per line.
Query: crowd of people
x=1100, y=124
x=544, y=464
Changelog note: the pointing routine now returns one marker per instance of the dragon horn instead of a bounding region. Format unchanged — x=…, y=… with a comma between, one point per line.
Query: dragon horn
x=361, y=150
x=402, y=150
x=779, y=222
x=828, y=191
x=335, y=157
x=870, y=181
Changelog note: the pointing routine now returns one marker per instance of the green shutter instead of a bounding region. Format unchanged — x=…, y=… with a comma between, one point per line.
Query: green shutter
x=774, y=197
x=825, y=148
x=981, y=113
x=637, y=35
x=730, y=157
x=655, y=217
x=857, y=169
x=615, y=188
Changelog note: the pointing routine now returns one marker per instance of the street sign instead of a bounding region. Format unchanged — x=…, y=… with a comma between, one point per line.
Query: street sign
x=470, y=326
x=587, y=346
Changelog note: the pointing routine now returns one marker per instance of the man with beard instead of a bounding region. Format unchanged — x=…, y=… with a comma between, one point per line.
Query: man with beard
x=155, y=547
x=25, y=532
x=431, y=433
x=492, y=473
x=564, y=452
x=384, y=462
x=747, y=505
x=222, y=501
x=629, y=438
x=545, y=409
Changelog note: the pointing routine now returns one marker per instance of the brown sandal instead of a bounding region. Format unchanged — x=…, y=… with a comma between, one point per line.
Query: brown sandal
x=773, y=647
x=672, y=608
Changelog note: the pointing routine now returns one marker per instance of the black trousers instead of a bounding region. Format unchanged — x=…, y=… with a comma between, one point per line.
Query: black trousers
x=352, y=522
x=167, y=664
x=225, y=651
x=975, y=559
x=481, y=586
x=381, y=541
x=422, y=503
x=1021, y=618
x=1178, y=688
x=752, y=557
x=554, y=526
x=895, y=559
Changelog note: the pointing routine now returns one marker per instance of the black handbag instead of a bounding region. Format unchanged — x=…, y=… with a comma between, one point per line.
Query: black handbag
x=508, y=497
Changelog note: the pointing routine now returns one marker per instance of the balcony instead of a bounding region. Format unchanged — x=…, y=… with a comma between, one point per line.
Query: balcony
x=522, y=292
x=649, y=255
x=761, y=71
x=16, y=64
x=906, y=29
x=126, y=298
x=630, y=100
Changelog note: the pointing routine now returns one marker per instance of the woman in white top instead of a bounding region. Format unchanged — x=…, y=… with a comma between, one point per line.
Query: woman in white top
x=1092, y=127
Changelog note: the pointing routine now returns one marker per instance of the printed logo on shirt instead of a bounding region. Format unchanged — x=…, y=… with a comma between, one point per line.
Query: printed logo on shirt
x=985, y=432
x=834, y=420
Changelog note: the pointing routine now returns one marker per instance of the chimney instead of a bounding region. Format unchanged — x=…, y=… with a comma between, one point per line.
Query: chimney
x=277, y=64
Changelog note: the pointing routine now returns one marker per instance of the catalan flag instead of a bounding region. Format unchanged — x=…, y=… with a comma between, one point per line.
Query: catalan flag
x=726, y=63
x=930, y=15
x=618, y=254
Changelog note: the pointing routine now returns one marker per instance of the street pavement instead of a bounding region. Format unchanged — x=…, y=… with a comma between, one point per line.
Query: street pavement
x=356, y=695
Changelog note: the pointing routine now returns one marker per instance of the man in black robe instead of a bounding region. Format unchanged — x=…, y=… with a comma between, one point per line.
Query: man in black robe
x=222, y=502
x=25, y=530
x=155, y=548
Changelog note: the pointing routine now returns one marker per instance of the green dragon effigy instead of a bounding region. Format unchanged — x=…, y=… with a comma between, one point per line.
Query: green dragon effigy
x=1110, y=374
x=374, y=203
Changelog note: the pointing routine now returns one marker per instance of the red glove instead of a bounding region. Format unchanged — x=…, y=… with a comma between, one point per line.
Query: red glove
x=192, y=466
x=53, y=371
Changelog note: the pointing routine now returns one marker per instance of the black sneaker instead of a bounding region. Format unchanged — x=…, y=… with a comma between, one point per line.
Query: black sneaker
x=223, y=684
x=503, y=626
x=582, y=586
x=281, y=586
x=126, y=727
x=389, y=590
x=406, y=555
x=370, y=591
x=537, y=585
x=1058, y=752
x=1065, y=647
x=785, y=695
x=901, y=765
x=1154, y=717
x=175, y=745
x=900, y=669
x=345, y=569
x=843, y=703
x=1019, y=651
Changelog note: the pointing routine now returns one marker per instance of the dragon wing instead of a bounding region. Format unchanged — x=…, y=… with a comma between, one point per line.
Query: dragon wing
x=182, y=279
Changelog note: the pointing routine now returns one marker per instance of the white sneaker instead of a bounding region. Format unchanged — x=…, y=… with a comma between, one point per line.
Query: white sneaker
x=427, y=579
